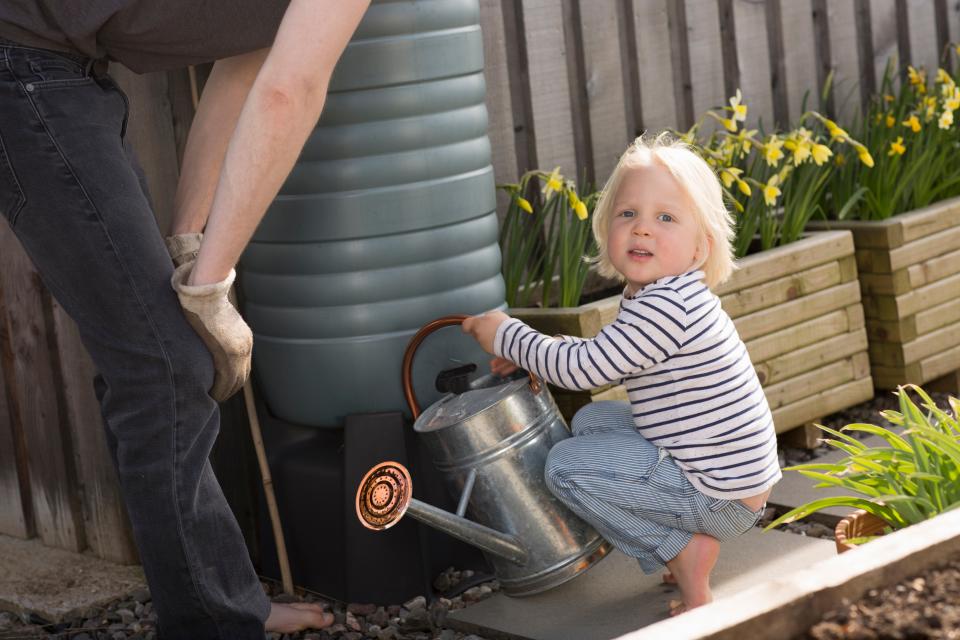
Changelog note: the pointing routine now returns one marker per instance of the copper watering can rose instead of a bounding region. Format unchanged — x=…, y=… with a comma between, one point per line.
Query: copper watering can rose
x=490, y=439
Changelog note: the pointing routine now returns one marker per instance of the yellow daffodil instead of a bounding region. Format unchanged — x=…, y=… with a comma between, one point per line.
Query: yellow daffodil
x=554, y=183
x=943, y=77
x=931, y=108
x=891, y=121
x=739, y=109
x=729, y=123
x=581, y=210
x=896, y=147
x=744, y=187
x=946, y=119
x=865, y=156
x=953, y=100
x=836, y=132
x=770, y=191
x=800, y=148
x=772, y=152
x=913, y=123
x=888, y=98
x=524, y=204
x=916, y=77
x=730, y=175
x=840, y=160
x=820, y=153
x=745, y=140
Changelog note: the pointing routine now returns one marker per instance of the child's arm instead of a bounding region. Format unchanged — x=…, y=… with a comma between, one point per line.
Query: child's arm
x=647, y=331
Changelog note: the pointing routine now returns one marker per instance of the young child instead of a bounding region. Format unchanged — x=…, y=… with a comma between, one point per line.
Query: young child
x=690, y=460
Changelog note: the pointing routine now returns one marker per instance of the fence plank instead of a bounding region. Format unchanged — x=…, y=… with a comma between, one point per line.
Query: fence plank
x=953, y=22
x=924, y=49
x=706, y=63
x=847, y=81
x=604, y=85
x=800, y=56
x=15, y=517
x=107, y=528
x=496, y=74
x=549, y=86
x=656, y=76
x=753, y=55
x=883, y=25
x=33, y=377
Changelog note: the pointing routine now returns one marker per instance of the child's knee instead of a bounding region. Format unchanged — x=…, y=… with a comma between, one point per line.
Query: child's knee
x=599, y=417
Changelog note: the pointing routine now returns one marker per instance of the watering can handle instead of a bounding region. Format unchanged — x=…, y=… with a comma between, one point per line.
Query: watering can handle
x=427, y=329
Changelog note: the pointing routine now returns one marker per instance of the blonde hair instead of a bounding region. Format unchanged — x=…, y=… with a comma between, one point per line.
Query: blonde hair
x=697, y=179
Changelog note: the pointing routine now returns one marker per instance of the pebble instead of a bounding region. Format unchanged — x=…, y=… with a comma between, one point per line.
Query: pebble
x=361, y=609
x=419, y=602
x=351, y=622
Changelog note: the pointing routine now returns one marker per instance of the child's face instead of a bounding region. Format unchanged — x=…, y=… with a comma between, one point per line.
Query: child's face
x=653, y=231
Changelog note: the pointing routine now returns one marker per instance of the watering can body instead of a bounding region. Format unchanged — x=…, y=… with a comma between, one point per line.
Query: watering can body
x=494, y=439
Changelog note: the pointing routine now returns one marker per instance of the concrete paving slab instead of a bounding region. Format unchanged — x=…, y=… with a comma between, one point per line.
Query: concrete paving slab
x=796, y=489
x=54, y=583
x=614, y=597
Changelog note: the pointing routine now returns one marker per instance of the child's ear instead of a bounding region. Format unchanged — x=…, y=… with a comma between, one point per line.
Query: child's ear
x=704, y=247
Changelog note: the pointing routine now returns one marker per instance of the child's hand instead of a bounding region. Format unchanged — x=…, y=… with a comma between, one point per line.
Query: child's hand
x=484, y=328
x=502, y=367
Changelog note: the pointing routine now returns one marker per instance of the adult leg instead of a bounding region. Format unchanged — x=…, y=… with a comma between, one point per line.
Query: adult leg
x=87, y=226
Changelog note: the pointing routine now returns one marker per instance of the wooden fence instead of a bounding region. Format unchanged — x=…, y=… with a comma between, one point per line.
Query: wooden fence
x=569, y=84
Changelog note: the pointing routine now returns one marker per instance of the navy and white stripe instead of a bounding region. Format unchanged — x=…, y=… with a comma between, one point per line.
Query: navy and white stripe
x=691, y=385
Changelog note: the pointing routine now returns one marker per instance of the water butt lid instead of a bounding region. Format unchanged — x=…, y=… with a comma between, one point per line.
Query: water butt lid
x=454, y=408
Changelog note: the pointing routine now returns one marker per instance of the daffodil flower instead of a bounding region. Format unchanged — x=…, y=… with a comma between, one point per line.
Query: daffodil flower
x=729, y=123
x=772, y=152
x=836, y=132
x=865, y=156
x=800, y=149
x=913, y=123
x=744, y=187
x=554, y=183
x=730, y=175
x=953, y=101
x=891, y=121
x=946, y=119
x=524, y=204
x=581, y=210
x=888, y=98
x=820, y=153
x=943, y=77
x=770, y=191
x=840, y=160
x=915, y=77
x=896, y=147
x=739, y=109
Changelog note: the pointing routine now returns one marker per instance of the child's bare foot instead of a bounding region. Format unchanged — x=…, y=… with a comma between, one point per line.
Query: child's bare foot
x=297, y=616
x=668, y=578
x=691, y=572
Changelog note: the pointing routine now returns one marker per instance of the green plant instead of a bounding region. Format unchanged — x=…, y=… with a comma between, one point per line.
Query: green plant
x=915, y=477
x=910, y=131
x=546, y=239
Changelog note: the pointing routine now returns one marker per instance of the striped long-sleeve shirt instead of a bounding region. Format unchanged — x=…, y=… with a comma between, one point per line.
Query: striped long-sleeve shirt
x=691, y=385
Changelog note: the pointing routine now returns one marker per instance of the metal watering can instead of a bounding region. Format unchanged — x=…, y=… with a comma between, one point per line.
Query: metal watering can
x=490, y=439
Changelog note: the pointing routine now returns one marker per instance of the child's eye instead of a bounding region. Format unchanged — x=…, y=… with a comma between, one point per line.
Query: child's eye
x=665, y=217
x=627, y=213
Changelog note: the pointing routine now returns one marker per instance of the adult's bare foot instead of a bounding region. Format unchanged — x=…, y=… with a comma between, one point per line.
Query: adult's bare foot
x=297, y=616
x=691, y=571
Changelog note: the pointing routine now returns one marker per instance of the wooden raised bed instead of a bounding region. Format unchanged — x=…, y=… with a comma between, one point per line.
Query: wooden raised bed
x=909, y=270
x=798, y=310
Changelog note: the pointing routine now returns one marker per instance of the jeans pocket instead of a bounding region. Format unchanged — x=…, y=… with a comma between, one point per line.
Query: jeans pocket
x=42, y=70
x=12, y=198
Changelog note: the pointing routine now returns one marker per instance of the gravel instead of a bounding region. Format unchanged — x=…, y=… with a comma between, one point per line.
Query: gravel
x=922, y=606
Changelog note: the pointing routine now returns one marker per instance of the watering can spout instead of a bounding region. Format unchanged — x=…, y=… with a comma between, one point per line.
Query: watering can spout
x=385, y=496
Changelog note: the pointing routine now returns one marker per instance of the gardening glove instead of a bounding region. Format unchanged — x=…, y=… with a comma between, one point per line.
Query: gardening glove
x=219, y=324
x=183, y=247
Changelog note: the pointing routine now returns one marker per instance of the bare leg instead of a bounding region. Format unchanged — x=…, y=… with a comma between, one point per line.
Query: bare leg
x=691, y=571
x=297, y=616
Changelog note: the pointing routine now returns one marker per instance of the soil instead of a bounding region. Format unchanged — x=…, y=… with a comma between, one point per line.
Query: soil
x=923, y=606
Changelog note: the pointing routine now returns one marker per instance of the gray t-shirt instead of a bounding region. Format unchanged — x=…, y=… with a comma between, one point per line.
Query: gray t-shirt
x=144, y=35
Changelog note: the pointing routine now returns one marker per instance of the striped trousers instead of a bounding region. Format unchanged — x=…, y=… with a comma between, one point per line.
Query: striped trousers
x=632, y=492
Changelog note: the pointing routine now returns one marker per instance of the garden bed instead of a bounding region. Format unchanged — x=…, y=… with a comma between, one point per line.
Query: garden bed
x=909, y=270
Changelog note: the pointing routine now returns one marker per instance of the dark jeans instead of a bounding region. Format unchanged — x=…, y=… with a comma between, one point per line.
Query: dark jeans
x=74, y=195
